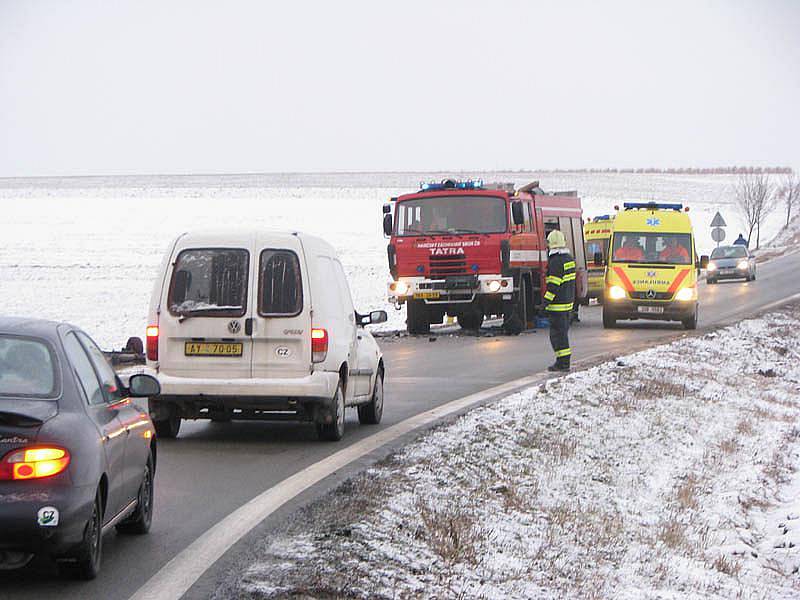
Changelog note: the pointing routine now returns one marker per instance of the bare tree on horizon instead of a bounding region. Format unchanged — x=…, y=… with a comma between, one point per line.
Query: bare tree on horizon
x=755, y=199
x=789, y=191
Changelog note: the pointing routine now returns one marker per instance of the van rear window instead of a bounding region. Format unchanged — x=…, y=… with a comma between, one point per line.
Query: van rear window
x=280, y=291
x=210, y=282
x=27, y=368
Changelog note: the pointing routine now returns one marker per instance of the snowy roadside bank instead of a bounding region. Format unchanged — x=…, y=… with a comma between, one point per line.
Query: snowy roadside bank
x=670, y=473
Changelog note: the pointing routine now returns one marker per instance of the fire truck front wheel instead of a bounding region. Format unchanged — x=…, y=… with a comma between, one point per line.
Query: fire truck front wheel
x=417, y=318
x=470, y=319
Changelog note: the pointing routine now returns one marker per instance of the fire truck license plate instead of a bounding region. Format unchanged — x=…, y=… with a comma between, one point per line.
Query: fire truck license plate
x=426, y=296
x=651, y=309
x=213, y=349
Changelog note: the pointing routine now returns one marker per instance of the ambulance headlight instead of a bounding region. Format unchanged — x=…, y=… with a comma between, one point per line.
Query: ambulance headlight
x=494, y=286
x=686, y=294
x=616, y=293
x=711, y=267
x=742, y=266
x=399, y=288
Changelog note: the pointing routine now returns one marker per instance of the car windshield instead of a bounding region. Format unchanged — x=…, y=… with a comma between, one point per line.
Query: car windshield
x=210, y=282
x=451, y=215
x=27, y=368
x=652, y=248
x=729, y=252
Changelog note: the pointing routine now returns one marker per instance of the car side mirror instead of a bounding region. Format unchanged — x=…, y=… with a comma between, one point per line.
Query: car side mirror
x=517, y=213
x=599, y=261
x=142, y=385
x=704, y=261
x=387, y=224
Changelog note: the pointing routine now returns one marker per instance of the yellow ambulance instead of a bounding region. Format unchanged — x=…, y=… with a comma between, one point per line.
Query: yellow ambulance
x=596, y=236
x=652, y=266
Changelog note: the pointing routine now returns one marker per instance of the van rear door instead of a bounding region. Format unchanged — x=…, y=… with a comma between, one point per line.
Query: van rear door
x=281, y=328
x=204, y=311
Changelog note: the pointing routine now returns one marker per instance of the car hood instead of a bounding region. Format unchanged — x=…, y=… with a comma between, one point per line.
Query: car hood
x=727, y=262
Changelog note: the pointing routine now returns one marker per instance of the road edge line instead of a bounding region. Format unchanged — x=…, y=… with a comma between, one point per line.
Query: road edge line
x=177, y=576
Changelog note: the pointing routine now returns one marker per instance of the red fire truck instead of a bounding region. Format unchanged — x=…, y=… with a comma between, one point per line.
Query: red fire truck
x=471, y=251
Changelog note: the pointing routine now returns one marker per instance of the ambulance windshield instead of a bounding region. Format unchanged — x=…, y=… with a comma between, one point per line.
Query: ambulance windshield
x=444, y=215
x=652, y=248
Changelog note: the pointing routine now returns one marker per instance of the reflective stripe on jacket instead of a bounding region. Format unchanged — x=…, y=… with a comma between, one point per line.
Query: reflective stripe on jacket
x=560, y=293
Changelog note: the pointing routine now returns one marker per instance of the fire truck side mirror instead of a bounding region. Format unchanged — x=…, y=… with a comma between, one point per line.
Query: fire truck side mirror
x=598, y=259
x=387, y=208
x=517, y=213
x=387, y=224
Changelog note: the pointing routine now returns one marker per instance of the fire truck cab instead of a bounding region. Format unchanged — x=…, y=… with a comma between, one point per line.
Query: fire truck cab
x=471, y=251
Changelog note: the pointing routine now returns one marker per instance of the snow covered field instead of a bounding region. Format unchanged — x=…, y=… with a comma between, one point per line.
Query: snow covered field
x=86, y=249
x=647, y=477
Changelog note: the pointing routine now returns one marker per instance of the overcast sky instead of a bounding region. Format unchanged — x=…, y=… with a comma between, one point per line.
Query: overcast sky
x=160, y=86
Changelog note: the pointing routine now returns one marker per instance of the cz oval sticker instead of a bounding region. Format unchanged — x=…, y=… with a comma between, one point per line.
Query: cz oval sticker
x=283, y=352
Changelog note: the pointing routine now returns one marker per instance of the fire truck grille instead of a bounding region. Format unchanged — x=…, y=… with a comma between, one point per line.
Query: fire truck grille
x=446, y=266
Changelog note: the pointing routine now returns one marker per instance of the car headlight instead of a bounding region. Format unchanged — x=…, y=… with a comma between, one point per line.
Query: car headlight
x=711, y=267
x=615, y=292
x=684, y=294
x=399, y=288
x=743, y=265
x=493, y=286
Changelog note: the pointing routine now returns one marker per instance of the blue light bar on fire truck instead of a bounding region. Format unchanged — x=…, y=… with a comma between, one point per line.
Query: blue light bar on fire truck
x=451, y=184
x=652, y=206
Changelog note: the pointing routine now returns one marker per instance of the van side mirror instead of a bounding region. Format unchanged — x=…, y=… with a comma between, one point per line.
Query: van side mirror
x=599, y=261
x=517, y=213
x=373, y=318
x=704, y=261
x=387, y=224
x=142, y=385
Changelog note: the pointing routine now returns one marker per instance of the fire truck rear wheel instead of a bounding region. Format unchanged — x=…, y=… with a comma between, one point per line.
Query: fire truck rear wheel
x=417, y=319
x=470, y=320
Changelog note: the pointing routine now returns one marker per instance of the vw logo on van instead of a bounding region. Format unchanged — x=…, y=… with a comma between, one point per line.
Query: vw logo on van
x=234, y=326
x=651, y=294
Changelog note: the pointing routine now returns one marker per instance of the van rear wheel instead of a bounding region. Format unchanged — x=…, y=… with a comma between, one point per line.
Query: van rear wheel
x=334, y=431
x=371, y=413
x=170, y=427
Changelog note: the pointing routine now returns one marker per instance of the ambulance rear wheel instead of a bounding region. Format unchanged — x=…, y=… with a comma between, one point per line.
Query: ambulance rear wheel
x=417, y=319
x=609, y=320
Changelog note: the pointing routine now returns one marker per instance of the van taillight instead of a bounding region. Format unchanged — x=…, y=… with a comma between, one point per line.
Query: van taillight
x=152, y=342
x=319, y=344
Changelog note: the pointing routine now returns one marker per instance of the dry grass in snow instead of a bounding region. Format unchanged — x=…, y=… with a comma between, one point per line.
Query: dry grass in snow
x=671, y=473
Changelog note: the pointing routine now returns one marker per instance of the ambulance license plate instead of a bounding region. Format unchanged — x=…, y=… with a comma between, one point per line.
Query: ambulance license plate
x=232, y=349
x=653, y=310
x=427, y=295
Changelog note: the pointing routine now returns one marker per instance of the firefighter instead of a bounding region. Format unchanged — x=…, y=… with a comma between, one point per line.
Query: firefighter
x=559, y=297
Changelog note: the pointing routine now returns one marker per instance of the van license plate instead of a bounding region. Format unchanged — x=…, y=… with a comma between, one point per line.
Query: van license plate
x=213, y=349
x=656, y=310
x=427, y=295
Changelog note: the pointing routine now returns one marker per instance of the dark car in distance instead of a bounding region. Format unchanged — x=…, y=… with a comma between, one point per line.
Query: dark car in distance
x=77, y=456
x=731, y=262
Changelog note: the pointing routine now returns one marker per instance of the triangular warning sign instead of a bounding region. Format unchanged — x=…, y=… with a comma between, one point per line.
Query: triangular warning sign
x=718, y=221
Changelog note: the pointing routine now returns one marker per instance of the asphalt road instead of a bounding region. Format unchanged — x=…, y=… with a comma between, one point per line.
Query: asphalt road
x=212, y=469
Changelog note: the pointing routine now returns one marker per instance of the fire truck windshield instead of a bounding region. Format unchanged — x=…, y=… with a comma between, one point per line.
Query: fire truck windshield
x=451, y=215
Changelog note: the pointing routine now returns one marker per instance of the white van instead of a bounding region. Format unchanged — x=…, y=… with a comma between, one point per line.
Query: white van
x=259, y=325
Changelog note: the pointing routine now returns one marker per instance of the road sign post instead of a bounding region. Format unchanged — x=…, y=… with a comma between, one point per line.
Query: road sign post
x=717, y=231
